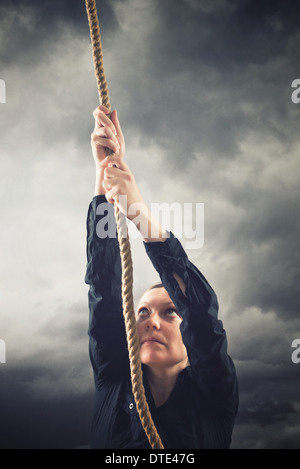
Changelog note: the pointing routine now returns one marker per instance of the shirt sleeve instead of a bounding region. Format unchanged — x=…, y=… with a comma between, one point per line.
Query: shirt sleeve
x=202, y=331
x=107, y=336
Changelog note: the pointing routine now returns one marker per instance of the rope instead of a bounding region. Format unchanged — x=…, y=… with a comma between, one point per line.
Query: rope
x=125, y=254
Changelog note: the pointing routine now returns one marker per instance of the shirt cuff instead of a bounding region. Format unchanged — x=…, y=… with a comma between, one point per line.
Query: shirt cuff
x=166, y=255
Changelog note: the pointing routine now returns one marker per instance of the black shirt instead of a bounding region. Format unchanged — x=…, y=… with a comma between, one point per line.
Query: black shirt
x=201, y=409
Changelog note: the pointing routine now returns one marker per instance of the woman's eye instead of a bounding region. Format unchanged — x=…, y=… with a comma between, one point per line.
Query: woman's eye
x=172, y=313
x=143, y=312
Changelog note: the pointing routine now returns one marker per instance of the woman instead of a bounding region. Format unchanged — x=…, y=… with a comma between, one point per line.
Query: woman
x=190, y=381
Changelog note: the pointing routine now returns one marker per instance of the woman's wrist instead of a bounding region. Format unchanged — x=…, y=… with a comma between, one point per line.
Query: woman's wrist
x=99, y=177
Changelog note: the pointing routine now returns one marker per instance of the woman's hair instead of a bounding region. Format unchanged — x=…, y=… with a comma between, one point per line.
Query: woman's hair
x=155, y=285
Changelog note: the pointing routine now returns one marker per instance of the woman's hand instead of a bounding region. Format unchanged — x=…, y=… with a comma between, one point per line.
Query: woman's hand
x=121, y=188
x=114, y=178
x=112, y=172
x=119, y=181
x=107, y=134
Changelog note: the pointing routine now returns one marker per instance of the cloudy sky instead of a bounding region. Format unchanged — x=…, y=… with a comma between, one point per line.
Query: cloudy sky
x=203, y=91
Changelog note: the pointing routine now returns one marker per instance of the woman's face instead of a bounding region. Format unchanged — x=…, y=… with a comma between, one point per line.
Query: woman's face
x=158, y=330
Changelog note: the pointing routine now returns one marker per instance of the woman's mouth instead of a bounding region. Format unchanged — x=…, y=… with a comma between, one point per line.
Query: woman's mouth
x=151, y=339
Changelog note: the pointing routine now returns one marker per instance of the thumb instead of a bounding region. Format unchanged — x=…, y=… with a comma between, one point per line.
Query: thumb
x=116, y=161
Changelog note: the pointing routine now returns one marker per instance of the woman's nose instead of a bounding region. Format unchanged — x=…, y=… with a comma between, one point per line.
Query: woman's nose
x=154, y=321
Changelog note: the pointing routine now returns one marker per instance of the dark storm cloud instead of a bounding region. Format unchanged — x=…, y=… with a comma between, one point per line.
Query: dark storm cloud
x=264, y=408
x=46, y=398
x=266, y=238
x=30, y=421
x=203, y=65
x=231, y=33
x=266, y=412
x=32, y=24
x=267, y=425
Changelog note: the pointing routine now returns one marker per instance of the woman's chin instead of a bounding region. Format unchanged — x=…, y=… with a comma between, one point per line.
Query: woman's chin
x=151, y=359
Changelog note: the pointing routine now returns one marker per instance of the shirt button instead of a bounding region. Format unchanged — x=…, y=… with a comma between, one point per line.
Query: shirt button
x=131, y=406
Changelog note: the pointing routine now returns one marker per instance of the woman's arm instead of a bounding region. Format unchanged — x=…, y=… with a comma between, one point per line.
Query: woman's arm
x=202, y=331
x=108, y=345
x=121, y=188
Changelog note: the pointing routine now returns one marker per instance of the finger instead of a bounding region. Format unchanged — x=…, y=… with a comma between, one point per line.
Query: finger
x=100, y=132
x=113, y=160
x=101, y=108
x=101, y=119
x=106, y=132
x=108, y=174
x=110, y=182
x=105, y=142
x=111, y=195
x=115, y=120
x=108, y=195
x=112, y=172
x=107, y=184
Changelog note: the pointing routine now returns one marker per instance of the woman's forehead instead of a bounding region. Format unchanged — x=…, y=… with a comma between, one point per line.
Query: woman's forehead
x=156, y=295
